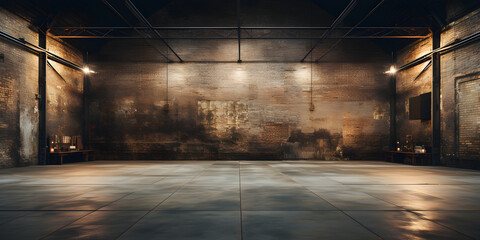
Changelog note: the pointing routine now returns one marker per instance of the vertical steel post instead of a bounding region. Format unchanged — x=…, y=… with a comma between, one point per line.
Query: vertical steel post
x=393, y=112
x=42, y=105
x=239, y=32
x=436, y=91
x=85, y=105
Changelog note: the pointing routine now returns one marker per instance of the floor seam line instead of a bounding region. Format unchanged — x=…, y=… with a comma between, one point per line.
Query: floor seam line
x=152, y=209
x=64, y=226
x=368, y=229
x=447, y=227
x=92, y=211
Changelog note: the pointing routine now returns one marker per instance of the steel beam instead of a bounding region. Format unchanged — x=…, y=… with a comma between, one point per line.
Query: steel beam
x=340, y=18
x=350, y=30
x=251, y=38
x=55, y=70
x=142, y=19
x=243, y=28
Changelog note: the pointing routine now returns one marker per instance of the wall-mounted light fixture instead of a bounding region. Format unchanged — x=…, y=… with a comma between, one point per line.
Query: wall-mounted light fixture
x=87, y=70
x=392, y=70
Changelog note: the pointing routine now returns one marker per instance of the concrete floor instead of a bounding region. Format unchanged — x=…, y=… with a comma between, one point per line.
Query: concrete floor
x=239, y=200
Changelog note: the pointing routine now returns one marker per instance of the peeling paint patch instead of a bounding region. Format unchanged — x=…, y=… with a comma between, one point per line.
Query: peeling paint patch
x=28, y=135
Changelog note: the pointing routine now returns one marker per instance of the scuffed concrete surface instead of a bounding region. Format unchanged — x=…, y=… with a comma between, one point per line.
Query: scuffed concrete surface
x=239, y=200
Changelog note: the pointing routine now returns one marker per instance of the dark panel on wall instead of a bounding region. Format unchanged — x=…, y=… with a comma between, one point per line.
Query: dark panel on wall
x=420, y=107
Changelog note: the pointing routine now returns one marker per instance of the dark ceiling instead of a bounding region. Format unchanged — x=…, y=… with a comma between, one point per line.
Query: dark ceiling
x=433, y=14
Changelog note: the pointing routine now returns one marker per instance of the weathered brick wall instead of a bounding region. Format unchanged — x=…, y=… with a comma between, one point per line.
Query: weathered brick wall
x=18, y=86
x=231, y=110
x=469, y=119
x=64, y=92
x=258, y=109
x=410, y=83
x=457, y=66
x=221, y=109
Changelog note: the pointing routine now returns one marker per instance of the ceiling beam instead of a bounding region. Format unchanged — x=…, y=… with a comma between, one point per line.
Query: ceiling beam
x=248, y=38
x=339, y=19
x=131, y=26
x=351, y=29
x=243, y=28
x=140, y=17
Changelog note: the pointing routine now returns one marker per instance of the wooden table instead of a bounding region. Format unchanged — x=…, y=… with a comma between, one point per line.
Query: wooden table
x=85, y=153
x=409, y=157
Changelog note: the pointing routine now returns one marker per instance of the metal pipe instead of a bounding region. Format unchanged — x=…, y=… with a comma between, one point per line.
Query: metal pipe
x=351, y=29
x=340, y=18
x=140, y=17
x=469, y=39
x=37, y=49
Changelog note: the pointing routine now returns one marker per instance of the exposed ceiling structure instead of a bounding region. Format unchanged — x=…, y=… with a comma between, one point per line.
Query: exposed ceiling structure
x=391, y=24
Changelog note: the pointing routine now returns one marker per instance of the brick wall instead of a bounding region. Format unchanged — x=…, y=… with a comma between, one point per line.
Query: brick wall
x=469, y=119
x=456, y=66
x=18, y=86
x=258, y=109
x=411, y=83
x=232, y=111
x=64, y=92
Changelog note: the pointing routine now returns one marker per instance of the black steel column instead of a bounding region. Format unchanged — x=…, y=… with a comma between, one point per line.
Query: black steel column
x=393, y=112
x=85, y=106
x=436, y=134
x=239, y=32
x=42, y=105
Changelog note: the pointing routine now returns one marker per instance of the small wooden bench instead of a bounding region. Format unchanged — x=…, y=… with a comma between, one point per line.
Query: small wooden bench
x=86, y=154
x=409, y=157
